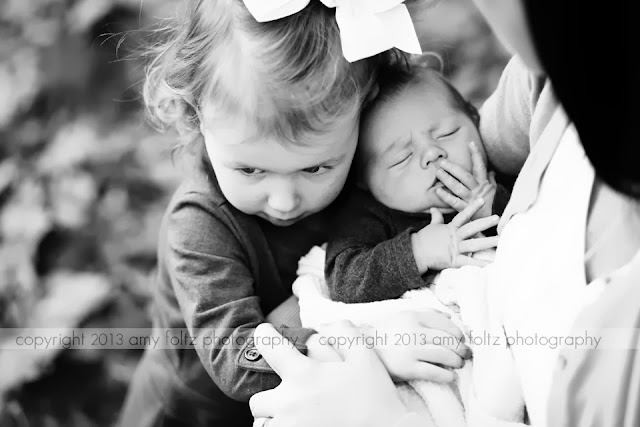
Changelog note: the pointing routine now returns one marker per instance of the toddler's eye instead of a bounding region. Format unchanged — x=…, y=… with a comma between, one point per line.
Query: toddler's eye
x=250, y=171
x=317, y=170
x=448, y=134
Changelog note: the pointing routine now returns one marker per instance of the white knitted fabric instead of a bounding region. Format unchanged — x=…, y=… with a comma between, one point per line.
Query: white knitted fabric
x=449, y=405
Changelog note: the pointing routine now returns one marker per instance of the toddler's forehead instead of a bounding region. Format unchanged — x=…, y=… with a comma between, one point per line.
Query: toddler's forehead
x=229, y=129
x=284, y=123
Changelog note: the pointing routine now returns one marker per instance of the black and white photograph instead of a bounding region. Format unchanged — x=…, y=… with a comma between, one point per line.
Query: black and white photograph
x=319, y=213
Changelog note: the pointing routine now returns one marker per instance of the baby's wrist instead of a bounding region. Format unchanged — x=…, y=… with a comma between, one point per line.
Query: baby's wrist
x=418, y=253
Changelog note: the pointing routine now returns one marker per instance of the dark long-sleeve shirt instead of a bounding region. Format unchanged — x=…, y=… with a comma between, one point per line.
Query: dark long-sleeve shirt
x=220, y=272
x=369, y=254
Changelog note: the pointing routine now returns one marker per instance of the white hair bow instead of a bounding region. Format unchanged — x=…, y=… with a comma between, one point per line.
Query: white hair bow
x=367, y=27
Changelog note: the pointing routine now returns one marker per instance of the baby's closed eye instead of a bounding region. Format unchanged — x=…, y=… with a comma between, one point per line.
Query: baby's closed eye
x=401, y=160
x=448, y=133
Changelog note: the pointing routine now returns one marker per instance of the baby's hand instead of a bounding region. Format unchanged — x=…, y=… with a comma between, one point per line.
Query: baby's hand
x=420, y=345
x=465, y=187
x=438, y=245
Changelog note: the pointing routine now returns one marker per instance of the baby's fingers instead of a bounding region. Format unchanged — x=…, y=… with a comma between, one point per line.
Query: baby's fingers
x=453, y=201
x=436, y=216
x=474, y=227
x=459, y=173
x=467, y=213
x=480, y=244
x=477, y=163
x=455, y=186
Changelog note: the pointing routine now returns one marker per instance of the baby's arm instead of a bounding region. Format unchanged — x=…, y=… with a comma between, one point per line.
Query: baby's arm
x=215, y=290
x=438, y=245
x=365, y=261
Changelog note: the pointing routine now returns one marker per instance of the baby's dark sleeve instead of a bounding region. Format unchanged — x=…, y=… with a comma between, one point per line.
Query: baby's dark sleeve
x=366, y=260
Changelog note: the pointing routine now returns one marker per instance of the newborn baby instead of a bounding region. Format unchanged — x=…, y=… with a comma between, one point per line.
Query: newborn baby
x=420, y=160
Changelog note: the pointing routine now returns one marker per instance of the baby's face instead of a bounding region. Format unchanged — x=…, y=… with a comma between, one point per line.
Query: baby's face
x=403, y=141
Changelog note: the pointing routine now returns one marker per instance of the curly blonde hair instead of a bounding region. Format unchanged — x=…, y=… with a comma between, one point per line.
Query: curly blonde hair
x=288, y=77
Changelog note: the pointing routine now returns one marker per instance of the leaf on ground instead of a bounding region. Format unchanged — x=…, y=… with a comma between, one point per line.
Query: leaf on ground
x=19, y=285
x=71, y=146
x=8, y=173
x=72, y=194
x=20, y=81
x=24, y=217
x=71, y=298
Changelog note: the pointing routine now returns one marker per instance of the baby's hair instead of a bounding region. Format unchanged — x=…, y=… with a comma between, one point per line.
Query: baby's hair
x=287, y=77
x=392, y=80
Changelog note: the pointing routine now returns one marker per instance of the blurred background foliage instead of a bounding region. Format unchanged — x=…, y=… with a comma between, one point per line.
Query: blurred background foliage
x=84, y=182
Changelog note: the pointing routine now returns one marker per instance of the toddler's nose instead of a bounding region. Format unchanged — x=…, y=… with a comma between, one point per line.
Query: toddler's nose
x=283, y=199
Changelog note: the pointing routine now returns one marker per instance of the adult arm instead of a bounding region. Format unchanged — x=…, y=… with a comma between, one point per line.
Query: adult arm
x=506, y=117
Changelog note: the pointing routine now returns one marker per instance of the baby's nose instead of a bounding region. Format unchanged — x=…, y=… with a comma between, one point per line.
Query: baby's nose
x=432, y=155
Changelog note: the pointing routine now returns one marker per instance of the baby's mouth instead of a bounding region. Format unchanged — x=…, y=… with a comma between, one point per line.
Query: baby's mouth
x=432, y=181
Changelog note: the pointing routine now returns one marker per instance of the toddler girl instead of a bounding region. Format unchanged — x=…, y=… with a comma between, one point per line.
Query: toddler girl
x=271, y=112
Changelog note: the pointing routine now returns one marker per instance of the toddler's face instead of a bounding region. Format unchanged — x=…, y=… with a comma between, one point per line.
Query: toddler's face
x=279, y=182
x=404, y=139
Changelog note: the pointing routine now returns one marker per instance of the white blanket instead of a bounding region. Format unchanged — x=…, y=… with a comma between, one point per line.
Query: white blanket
x=472, y=400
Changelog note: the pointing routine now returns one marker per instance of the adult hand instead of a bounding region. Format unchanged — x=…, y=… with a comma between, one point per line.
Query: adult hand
x=355, y=392
x=420, y=345
x=464, y=187
x=438, y=245
x=319, y=350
